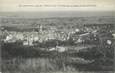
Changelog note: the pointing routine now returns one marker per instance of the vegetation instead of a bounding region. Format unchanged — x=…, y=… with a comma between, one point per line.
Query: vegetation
x=79, y=57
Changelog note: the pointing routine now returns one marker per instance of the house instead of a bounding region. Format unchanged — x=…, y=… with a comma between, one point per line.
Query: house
x=113, y=35
x=10, y=39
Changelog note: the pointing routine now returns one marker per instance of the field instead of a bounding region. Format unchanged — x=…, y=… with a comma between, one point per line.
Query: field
x=96, y=58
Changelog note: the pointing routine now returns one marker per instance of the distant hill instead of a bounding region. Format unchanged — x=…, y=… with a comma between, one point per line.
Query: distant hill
x=59, y=22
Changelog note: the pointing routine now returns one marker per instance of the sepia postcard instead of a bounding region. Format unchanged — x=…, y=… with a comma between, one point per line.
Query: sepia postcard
x=57, y=36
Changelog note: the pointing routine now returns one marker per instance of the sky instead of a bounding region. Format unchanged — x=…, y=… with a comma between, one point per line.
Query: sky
x=56, y=5
x=56, y=8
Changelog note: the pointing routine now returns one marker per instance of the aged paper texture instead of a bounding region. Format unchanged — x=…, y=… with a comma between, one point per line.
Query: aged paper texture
x=57, y=36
